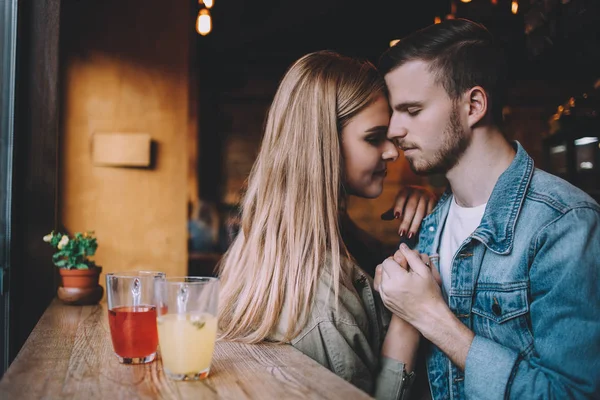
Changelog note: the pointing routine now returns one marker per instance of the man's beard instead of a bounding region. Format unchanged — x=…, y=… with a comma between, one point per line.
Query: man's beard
x=456, y=142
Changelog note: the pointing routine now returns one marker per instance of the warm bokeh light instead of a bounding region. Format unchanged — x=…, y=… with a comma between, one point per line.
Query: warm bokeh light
x=465, y=1
x=494, y=2
x=203, y=22
x=393, y=42
x=437, y=20
x=528, y=28
x=208, y=3
x=514, y=7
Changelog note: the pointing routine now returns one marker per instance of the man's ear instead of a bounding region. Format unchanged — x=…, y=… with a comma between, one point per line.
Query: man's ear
x=478, y=103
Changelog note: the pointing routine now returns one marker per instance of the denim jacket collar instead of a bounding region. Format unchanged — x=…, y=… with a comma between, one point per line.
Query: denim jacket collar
x=496, y=230
x=497, y=227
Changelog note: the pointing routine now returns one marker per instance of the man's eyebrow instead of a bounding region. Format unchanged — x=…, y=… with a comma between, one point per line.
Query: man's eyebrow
x=377, y=129
x=405, y=106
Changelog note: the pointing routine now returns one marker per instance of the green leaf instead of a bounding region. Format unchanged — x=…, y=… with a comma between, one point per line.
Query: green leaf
x=198, y=324
x=55, y=240
x=60, y=263
x=76, y=253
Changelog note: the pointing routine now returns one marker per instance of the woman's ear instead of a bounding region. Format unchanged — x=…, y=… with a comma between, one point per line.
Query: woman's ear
x=477, y=100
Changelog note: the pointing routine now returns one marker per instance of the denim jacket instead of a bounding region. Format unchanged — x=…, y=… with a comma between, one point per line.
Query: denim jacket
x=527, y=283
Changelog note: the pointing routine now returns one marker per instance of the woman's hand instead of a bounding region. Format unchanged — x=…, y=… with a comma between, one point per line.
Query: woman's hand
x=412, y=204
x=402, y=339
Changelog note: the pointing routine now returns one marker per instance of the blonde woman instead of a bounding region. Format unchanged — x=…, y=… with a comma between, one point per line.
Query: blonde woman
x=288, y=276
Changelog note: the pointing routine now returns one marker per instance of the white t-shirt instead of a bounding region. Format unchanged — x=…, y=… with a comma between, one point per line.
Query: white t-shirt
x=460, y=223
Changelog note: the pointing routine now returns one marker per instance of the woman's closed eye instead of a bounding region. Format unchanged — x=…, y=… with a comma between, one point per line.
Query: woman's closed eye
x=376, y=135
x=375, y=139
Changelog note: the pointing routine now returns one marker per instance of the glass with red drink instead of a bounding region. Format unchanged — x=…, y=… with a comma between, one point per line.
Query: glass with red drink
x=132, y=315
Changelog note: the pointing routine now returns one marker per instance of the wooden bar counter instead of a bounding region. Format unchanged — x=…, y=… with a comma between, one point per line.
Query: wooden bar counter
x=69, y=356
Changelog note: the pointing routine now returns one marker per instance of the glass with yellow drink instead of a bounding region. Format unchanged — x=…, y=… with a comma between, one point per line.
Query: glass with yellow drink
x=187, y=325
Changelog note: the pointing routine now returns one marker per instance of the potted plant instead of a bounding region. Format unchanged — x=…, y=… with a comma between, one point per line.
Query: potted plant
x=78, y=271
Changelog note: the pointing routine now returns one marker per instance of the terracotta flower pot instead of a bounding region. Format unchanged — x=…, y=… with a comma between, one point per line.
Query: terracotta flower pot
x=80, y=286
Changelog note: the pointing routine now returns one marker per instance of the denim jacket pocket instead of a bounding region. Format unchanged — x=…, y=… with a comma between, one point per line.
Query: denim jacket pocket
x=501, y=313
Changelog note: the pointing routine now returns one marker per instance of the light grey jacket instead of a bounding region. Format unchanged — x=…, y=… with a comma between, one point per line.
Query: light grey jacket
x=348, y=340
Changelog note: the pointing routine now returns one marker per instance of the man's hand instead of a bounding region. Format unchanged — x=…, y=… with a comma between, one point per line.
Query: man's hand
x=412, y=204
x=411, y=290
x=408, y=286
x=399, y=258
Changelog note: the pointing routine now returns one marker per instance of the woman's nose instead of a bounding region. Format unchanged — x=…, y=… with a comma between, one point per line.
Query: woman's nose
x=390, y=152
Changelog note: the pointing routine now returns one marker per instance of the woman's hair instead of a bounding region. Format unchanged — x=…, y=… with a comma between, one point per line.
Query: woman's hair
x=289, y=222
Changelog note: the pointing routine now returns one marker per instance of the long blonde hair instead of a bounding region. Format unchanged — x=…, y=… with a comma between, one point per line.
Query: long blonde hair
x=290, y=212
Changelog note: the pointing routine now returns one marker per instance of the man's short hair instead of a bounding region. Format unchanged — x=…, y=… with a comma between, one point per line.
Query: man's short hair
x=461, y=53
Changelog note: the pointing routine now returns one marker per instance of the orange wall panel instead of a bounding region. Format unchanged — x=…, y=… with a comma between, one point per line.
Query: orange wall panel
x=130, y=76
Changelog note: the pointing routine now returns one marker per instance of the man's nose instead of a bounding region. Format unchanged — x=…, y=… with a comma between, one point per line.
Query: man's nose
x=397, y=130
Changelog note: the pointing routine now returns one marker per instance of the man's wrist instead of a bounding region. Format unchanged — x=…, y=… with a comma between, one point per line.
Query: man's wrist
x=430, y=319
x=442, y=328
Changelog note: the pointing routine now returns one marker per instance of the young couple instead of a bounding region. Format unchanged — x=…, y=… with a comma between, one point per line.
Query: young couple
x=502, y=295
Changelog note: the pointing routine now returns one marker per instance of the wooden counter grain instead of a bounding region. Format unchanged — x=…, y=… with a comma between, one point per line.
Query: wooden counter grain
x=69, y=356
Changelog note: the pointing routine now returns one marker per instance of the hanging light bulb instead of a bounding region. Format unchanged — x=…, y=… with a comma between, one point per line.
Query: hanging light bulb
x=437, y=20
x=514, y=7
x=203, y=22
x=465, y=1
x=208, y=3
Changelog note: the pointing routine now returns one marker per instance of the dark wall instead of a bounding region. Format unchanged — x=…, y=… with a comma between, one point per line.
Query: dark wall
x=252, y=44
x=33, y=277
